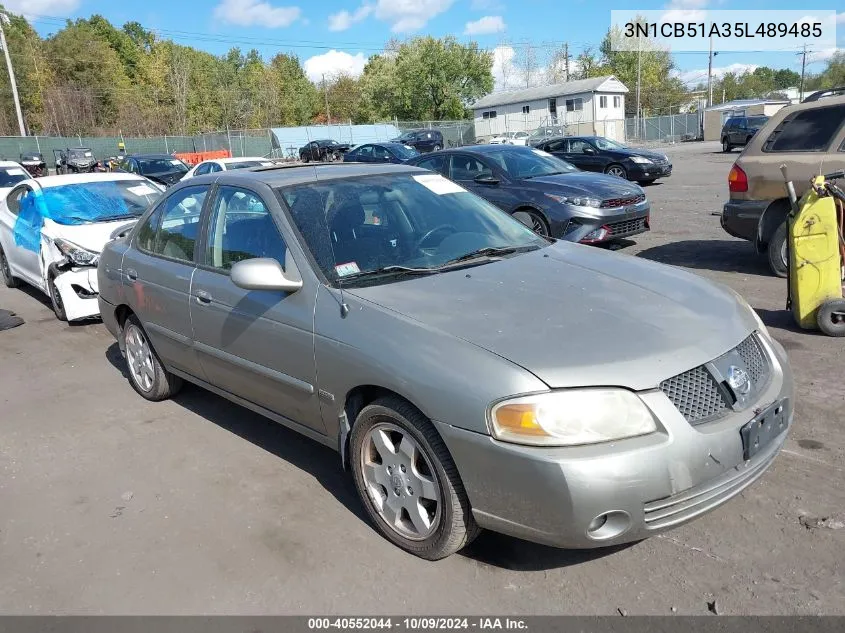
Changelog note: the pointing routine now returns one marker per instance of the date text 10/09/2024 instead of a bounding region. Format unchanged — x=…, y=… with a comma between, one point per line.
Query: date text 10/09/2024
x=677, y=30
x=418, y=623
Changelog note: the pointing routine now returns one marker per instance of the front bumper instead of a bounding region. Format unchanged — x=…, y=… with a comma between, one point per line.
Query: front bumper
x=79, y=291
x=637, y=171
x=646, y=484
x=586, y=224
x=741, y=218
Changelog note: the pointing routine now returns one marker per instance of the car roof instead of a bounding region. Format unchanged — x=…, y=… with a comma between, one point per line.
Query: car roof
x=9, y=163
x=164, y=156
x=233, y=159
x=288, y=175
x=73, y=179
x=485, y=148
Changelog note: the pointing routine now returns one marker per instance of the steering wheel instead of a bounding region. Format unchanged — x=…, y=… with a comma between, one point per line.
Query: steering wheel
x=436, y=229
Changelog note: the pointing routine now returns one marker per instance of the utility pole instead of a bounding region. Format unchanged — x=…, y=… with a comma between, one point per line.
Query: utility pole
x=566, y=59
x=326, y=95
x=710, y=75
x=5, y=18
x=803, y=54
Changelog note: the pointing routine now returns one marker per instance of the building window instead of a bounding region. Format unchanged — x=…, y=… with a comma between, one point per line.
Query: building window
x=574, y=105
x=617, y=102
x=553, y=107
x=490, y=114
x=526, y=109
x=602, y=102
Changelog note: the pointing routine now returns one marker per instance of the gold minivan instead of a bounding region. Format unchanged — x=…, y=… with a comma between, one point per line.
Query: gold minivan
x=809, y=138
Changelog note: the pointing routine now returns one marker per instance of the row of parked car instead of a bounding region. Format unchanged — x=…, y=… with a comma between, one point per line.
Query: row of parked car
x=472, y=371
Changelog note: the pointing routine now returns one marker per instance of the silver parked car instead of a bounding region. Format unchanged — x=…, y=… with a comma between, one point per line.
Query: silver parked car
x=470, y=373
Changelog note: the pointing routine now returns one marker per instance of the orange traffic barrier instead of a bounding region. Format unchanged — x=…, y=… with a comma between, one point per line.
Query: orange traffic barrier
x=194, y=158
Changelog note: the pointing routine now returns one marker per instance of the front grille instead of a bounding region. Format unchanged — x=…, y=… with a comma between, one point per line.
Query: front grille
x=627, y=227
x=697, y=395
x=622, y=202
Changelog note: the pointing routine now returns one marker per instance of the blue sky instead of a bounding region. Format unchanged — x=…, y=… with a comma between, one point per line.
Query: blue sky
x=338, y=35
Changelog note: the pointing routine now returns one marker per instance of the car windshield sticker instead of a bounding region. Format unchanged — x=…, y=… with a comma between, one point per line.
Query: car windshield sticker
x=438, y=184
x=349, y=268
x=540, y=152
x=141, y=190
x=175, y=162
x=14, y=171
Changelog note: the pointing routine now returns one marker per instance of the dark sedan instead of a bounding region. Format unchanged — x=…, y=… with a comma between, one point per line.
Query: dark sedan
x=161, y=168
x=596, y=153
x=380, y=153
x=323, y=150
x=550, y=195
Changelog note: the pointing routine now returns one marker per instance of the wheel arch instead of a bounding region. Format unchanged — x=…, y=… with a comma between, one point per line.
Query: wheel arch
x=770, y=220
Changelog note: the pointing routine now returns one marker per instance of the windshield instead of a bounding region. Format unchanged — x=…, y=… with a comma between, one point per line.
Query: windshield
x=530, y=163
x=10, y=176
x=161, y=165
x=404, y=152
x=419, y=223
x=103, y=201
x=757, y=121
x=32, y=157
x=604, y=143
x=80, y=153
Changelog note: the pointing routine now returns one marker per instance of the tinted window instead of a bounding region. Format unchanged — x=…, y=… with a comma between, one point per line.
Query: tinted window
x=10, y=176
x=214, y=167
x=202, y=169
x=806, y=131
x=555, y=146
x=530, y=163
x=148, y=230
x=466, y=167
x=161, y=165
x=404, y=152
x=379, y=153
x=577, y=146
x=365, y=152
x=435, y=163
x=180, y=223
x=13, y=200
x=241, y=228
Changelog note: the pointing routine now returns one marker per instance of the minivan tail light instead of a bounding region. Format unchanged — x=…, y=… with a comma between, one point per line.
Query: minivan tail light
x=737, y=180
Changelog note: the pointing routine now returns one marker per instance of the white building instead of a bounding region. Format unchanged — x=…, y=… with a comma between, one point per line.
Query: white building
x=587, y=106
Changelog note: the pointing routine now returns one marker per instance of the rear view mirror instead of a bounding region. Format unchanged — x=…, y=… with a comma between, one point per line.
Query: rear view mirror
x=264, y=273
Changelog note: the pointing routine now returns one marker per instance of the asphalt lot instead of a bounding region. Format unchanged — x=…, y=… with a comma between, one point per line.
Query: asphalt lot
x=111, y=504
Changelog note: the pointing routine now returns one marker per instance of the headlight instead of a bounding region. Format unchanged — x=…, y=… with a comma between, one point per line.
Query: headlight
x=578, y=201
x=571, y=417
x=76, y=254
x=642, y=160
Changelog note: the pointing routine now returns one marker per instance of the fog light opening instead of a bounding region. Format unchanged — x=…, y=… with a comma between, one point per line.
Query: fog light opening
x=609, y=525
x=596, y=235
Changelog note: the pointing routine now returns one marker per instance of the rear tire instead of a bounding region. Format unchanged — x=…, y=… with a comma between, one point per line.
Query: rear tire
x=147, y=375
x=6, y=272
x=393, y=485
x=726, y=147
x=776, y=252
x=831, y=317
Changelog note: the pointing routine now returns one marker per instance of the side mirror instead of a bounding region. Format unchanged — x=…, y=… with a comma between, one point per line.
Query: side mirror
x=589, y=150
x=484, y=179
x=264, y=273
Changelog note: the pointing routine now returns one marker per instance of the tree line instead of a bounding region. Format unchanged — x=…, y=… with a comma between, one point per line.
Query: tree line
x=93, y=78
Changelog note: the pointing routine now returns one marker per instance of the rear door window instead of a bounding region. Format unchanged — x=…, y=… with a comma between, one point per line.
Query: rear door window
x=807, y=130
x=435, y=163
x=180, y=223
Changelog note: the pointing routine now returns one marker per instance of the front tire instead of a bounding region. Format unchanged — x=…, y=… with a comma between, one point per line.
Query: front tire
x=6, y=272
x=533, y=221
x=616, y=170
x=56, y=297
x=146, y=373
x=436, y=148
x=831, y=317
x=777, y=252
x=408, y=482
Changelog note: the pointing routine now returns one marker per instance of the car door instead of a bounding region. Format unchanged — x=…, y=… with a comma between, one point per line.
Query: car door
x=381, y=155
x=739, y=132
x=158, y=274
x=255, y=344
x=558, y=147
x=365, y=154
x=20, y=234
x=578, y=153
x=438, y=163
x=465, y=169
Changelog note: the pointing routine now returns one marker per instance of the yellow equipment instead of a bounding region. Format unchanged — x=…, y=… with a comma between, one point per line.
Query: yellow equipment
x=816, y=248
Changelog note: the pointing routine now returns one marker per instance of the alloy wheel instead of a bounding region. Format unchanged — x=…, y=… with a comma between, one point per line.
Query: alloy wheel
x=4, y=268
x=139, y=357
x=533, y=222
x=401, y=481
x=616, y=171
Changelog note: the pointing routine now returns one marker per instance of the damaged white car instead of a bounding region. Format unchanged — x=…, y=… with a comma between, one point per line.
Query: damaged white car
x=53, y=229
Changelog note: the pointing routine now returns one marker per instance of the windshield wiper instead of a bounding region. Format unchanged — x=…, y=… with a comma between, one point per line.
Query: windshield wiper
x=114, y=218
x=550, y=173
x=487, y=252
x=388, y=270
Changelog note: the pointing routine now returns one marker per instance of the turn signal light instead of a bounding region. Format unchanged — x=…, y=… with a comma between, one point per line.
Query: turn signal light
x=737, y=180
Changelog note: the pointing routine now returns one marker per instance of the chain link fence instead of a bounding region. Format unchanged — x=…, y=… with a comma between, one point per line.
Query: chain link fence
x=674, y=128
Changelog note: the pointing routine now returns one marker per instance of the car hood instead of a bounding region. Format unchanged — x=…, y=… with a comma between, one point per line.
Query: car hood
x=92, y=237
x=577, y=316
x=167, y=178
x=588, y=183
x=630, y=151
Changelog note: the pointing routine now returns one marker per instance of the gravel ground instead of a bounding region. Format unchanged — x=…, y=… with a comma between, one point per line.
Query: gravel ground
x=110, y=504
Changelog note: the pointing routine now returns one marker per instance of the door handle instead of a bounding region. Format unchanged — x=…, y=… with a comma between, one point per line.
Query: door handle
x=203, y=297
x=132, y=274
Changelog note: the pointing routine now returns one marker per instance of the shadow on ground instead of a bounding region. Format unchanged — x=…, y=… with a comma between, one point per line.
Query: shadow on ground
x=732, y=256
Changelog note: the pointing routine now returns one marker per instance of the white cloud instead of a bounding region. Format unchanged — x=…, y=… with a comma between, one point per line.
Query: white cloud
x=487, y=5
x=822, y=55
x=256, y=13
x=503, y=68
x=485, y=26
x=409, y=15
x=693, y=77
x=840, y=17
x=684, y=11
x=344, y=19
x=334, y=63
x=30, y=8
